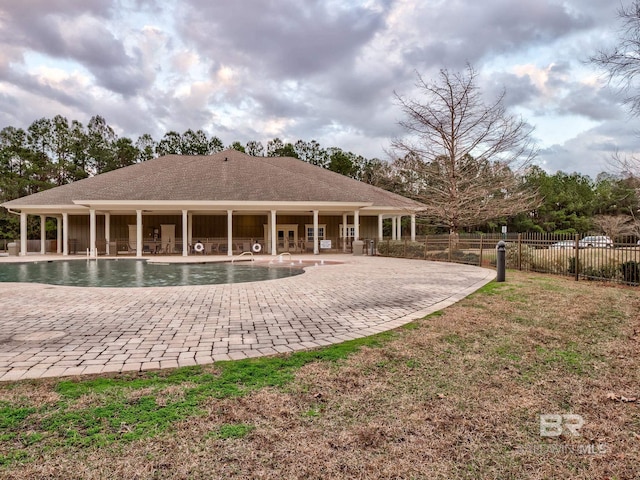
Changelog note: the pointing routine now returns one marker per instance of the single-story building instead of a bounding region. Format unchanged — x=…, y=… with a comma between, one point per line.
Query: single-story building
x=222, y=203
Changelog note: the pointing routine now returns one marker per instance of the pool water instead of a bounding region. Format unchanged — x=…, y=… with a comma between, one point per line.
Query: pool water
x=138, y=273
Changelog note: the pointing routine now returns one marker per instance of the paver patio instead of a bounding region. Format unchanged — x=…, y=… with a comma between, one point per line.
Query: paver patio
x=49, y=331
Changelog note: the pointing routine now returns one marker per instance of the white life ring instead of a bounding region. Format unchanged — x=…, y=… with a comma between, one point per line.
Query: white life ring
x=257, y=248
x=199, y=247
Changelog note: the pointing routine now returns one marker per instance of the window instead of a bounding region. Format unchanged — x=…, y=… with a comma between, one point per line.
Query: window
x=351, y=231
x=309, y=230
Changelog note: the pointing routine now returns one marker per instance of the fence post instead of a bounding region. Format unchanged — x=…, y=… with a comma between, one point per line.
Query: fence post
x=480, y=261
x=426, y=241
x=405, y=248
x=449, y=259
x=577, y=252
x=519, y=251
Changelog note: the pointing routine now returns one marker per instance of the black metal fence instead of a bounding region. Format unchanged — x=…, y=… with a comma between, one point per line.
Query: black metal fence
x=589, y=257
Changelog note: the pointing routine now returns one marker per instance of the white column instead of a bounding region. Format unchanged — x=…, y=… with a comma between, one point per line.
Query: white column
x=92, y=233
x=107, y=230
x=316, y=250
x=394, y=229
x=380, y=231
x=356, y=225
x=272, y=226
x=230, y=233
x=399, y=225
x=23, y=233
x=65, y=234
x=185, y=234
x=58, y=235
x=190, y=227
x=43, y=234
x=413, y=227
x=139, y=233
x=344, y=232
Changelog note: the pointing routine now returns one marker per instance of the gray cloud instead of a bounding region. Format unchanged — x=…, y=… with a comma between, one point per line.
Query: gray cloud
x=590, y=152
x=76, y=31
x=316, y=69
x=291, y=39
x=594, y=103
x=463, y=32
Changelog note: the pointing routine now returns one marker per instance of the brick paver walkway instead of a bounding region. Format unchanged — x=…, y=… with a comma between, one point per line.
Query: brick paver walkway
x=48, y=331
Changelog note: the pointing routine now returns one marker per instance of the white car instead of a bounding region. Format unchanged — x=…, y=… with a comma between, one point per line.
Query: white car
x=564, y=244
x=599, y=241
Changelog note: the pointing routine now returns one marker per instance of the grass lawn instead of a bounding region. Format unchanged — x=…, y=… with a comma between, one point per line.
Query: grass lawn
x=458, y=394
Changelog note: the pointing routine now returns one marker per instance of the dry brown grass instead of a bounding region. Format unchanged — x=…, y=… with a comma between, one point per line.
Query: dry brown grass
x=456, y=397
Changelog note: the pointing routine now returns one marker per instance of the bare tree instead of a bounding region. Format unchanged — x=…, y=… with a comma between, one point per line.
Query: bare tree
x=614, y=226
x=624, y=164
x=463, y=158
x=622, y=65
x=622, y=62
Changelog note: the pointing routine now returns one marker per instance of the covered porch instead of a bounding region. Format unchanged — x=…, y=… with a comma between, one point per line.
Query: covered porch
x=163, y=228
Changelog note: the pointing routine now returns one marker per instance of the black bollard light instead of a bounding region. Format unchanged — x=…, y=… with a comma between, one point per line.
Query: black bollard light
x=501, y=264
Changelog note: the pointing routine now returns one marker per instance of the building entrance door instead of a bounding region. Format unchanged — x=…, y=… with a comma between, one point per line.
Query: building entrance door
x=287, y=238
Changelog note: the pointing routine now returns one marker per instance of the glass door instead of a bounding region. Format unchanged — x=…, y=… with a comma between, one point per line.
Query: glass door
x=287, y=238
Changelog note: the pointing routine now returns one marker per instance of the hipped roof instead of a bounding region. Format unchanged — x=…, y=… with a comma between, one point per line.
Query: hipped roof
x=225, y=176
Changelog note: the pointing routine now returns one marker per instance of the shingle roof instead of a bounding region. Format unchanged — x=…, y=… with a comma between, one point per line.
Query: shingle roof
x=225, y=176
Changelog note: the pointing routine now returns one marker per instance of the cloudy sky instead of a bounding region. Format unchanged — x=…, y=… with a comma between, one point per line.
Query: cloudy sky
x=311, y=69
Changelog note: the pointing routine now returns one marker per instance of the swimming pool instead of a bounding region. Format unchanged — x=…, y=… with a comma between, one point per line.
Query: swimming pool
x=138, y=273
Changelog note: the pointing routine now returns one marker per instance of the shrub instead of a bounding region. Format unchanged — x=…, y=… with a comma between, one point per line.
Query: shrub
x=603, y=272
x=545, y=263
x=391, y=249
x=397, y=248
x=631, y=272
x=414, y=250
x=574, y=265
x=526, y=256
x=457, y=256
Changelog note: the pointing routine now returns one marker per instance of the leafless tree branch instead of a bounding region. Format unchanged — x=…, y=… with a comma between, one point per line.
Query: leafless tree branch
x=462, y=157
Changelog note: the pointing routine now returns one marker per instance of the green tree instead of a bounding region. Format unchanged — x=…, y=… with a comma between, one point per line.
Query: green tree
x=277, y=148
x=616, y=195
x=14, y=154
x=146, y=146
x=342, y=162
x=61, y=150
x=378, y=173
x=567, y=203
x=237, y=146
x=215, y=145
x=311, y=152
x=170, y=144
x=194, y=143
x=79, y=152
x=100, y=139
x=125, y=152
x=255, y=148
